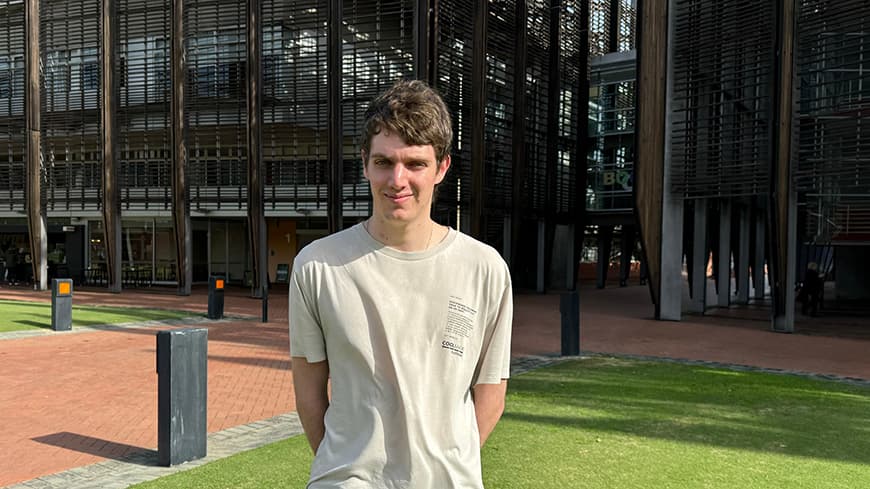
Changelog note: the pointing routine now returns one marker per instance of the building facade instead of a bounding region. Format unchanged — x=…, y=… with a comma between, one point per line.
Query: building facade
x=163, y=141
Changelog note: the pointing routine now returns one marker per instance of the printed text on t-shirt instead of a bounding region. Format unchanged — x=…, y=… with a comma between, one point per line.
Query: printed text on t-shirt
x=460, y=323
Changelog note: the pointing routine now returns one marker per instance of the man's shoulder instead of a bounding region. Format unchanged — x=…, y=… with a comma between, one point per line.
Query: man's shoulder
x=332, y=249
x=479, y=252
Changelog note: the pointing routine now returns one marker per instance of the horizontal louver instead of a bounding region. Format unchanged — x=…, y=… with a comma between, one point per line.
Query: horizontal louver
x=12, y=123
x=537, y=93
x=723, y=61
x=294, y=104
x=215, y=104
x=377, y=50
x=71, y=107
x=453, y=81
x=144, y=120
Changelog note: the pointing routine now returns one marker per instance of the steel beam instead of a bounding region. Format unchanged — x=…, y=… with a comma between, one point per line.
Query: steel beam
x=180, y=197
x=671, y=259
x=698, y=302
x=758, y=269
x=741, y=271
x=723, y=257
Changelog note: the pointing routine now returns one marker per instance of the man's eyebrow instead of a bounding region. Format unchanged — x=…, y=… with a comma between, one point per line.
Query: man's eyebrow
x=380, y=156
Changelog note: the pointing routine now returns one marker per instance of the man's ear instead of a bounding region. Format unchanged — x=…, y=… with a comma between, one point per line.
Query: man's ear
x=442, y=169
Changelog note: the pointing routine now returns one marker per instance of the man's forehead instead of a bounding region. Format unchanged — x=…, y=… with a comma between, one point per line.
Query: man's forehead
x=388, y=145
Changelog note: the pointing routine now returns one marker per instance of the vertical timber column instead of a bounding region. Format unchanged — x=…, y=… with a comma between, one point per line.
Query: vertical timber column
x=36, y=224
x=553, y=99
x=180, y=199
x=698, y=302
x=478, y=117
x=334, y=150
x=519, y=130
x=582, y=124
x=742, y=270
x=670, y=304
x=256, y=202
x=723, y=271
x=111, y=191
x=422, y=57
x=783, y=208
x=650, y=138
x=758, y=272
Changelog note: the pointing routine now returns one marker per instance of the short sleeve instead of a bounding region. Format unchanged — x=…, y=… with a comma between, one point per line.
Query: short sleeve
x=306, y=333
x=494, y=364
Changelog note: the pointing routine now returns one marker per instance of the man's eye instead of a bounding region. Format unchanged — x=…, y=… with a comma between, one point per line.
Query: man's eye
x=382, y=162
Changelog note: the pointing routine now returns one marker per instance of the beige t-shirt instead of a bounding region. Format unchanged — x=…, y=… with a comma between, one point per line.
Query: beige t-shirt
x=407, y=335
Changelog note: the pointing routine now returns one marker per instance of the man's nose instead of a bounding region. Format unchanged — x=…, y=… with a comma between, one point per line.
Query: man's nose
x=399, y=176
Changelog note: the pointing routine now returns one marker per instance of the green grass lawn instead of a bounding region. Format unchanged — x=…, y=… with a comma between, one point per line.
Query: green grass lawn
x=17, y=315
x=614, y=423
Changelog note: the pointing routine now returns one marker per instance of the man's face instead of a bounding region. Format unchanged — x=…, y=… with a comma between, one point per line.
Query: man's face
x=402, y=178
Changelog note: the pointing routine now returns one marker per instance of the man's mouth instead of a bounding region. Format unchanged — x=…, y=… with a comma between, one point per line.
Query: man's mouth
x=398, y=198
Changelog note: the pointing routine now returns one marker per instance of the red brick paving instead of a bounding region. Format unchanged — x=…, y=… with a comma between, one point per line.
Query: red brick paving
x=68, y=400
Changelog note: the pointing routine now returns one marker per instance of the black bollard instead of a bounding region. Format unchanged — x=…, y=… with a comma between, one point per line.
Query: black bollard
x=215, y=297
x=569, y=306
x=182, y=373
x=61, y=304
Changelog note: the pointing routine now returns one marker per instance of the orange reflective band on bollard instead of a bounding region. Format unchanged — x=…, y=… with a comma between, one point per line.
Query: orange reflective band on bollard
x=64, y=288
x=219, y=284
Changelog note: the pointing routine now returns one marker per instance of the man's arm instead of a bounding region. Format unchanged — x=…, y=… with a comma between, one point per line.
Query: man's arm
x=312, y=399
x=488, y=407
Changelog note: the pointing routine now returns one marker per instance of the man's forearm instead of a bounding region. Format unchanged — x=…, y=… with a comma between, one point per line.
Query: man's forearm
x=311, y=415
x=310, y=382
x=488, y=407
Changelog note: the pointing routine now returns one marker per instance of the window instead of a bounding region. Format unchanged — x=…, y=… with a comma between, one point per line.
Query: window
x=90, y=76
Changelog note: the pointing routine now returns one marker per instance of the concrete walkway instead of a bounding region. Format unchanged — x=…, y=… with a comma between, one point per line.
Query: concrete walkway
x=83, y=405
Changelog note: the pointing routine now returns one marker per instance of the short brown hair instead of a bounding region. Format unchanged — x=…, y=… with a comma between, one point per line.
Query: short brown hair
x=415, y=112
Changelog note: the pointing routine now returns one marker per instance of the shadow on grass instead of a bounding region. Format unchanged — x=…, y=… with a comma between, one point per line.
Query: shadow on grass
x=100, y=447
x=743, y=410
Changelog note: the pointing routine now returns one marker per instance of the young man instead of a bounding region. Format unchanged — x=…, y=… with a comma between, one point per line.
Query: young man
x=409, y=320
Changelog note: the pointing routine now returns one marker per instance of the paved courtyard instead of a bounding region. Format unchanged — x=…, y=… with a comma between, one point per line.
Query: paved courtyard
x=69, y=400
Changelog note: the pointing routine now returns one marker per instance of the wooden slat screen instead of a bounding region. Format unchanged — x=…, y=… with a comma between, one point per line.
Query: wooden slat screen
x=294, y=104
x=537, y=92
x=569, y=69
x=833, y=170
x=501, y=44
x=144, y=119
x=215, y=104
x=378, y=49
x=454, y=83
x=12, y=123
x=70, y=110
x=721, y=115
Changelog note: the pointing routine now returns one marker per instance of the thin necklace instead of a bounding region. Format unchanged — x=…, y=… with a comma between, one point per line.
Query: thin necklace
x=428, y=241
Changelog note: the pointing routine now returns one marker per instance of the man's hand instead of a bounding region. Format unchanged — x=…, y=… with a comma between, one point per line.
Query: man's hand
x=312, y=399
x=488, y=407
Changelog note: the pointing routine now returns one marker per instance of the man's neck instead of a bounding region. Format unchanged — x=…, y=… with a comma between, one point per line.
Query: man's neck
x=416, y=236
